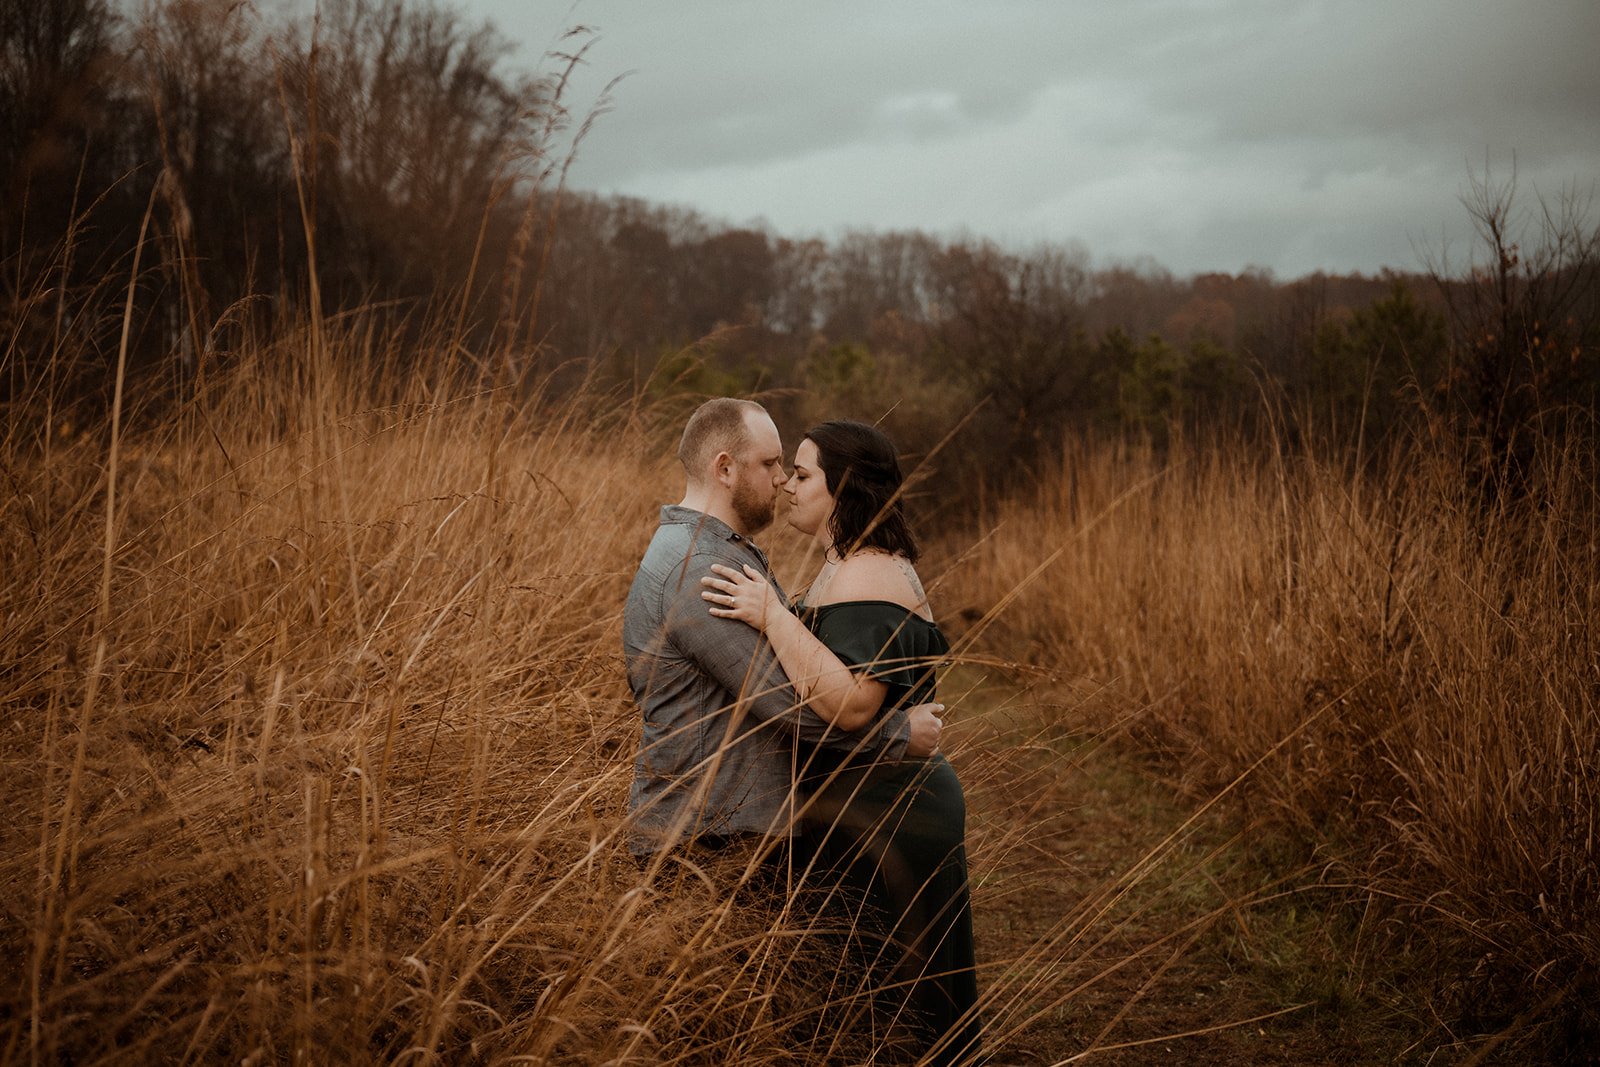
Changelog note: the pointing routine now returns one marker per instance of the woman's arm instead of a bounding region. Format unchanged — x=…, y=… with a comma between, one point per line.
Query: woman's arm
x=846, y=699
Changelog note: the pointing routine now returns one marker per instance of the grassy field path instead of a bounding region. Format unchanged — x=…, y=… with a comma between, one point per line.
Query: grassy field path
x=1164, y=933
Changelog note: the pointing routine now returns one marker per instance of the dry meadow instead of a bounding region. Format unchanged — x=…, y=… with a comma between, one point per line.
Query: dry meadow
x=317, y=742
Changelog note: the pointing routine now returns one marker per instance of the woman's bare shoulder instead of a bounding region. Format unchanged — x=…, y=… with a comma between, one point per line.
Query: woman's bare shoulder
x=876, y=576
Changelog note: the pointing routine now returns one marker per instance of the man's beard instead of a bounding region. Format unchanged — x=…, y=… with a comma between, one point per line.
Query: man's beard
x=754, y=509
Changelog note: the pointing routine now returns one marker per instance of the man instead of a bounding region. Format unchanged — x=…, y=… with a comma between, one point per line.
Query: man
x=716, y=760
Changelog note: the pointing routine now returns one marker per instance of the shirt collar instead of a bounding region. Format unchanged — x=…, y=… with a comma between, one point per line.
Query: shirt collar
x=678, y=515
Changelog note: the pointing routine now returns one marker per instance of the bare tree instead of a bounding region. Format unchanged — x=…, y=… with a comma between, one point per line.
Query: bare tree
x=412, y=134
x=57, y=66
x=1012, y=328
x=1524, y=316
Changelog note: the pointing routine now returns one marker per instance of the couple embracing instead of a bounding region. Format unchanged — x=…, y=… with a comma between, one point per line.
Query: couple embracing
x=770, y=727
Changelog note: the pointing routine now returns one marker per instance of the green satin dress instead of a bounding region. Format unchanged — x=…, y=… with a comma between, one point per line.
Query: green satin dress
x=894, y=835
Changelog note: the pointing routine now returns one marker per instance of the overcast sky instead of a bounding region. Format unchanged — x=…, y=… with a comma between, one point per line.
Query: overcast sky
x=1205, y=134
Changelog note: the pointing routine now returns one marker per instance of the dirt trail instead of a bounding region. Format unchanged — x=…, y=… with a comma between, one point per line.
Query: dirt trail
x=1152, y=943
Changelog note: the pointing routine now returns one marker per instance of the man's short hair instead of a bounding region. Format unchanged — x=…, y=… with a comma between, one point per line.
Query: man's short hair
x=716, y=426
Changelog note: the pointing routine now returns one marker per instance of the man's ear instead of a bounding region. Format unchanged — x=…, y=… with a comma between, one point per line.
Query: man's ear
x=722, y=468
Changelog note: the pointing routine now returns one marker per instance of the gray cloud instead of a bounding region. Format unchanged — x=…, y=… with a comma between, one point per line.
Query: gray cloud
x=1208, y=134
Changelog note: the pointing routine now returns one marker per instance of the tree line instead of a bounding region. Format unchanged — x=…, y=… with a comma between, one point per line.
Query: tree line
x=388, y=156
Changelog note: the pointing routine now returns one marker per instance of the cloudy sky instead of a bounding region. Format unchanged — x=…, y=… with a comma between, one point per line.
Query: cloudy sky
x=1205, y=134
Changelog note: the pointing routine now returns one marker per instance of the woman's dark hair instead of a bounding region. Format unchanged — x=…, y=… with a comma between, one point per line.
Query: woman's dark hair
x=863, y=476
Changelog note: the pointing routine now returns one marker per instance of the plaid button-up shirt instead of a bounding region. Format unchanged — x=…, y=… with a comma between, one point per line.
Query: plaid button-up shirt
x=720, y=718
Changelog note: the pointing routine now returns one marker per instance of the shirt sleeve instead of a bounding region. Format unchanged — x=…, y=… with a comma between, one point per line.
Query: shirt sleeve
x=739, y=658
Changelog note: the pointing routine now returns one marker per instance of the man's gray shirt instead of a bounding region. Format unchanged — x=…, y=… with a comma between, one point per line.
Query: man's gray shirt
x=720, y=717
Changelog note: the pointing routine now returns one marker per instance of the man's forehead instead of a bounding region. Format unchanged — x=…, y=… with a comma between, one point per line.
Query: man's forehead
x=763, y=433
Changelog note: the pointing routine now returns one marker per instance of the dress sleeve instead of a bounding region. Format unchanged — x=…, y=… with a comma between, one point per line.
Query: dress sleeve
x=883, y=643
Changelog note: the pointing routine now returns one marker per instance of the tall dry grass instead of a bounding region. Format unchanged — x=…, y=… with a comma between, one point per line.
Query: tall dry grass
x=1412, y=673
x=318, y=741
x=317, y=737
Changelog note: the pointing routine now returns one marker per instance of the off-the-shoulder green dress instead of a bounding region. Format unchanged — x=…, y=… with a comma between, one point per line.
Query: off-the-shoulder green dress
x=895, y=833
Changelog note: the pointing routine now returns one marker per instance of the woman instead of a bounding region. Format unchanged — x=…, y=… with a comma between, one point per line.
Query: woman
x=863, y=642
